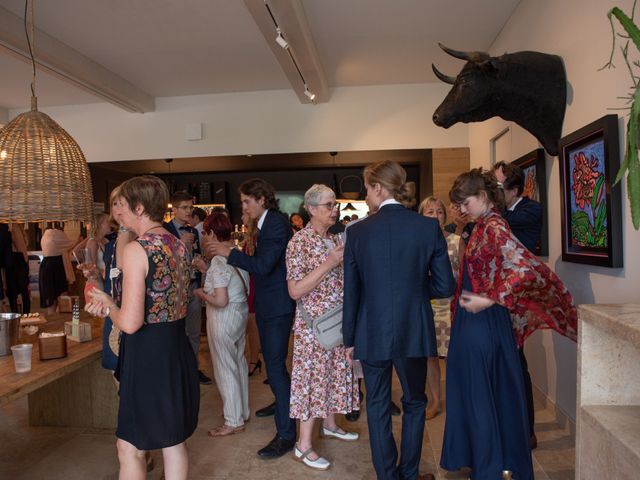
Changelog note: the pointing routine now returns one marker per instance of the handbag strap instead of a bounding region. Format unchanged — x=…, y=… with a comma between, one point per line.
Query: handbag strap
x=244, y=284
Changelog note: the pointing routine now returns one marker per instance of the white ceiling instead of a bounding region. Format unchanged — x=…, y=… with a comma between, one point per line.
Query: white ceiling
x=187, y=47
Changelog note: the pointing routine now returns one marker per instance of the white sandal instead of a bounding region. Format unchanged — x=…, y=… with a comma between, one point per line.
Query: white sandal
x=347, y=436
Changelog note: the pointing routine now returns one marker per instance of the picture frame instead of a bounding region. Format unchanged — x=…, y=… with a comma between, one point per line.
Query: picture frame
x=591, y=204
x=535, y=187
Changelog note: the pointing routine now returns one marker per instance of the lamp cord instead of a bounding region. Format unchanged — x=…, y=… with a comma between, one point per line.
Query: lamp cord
x=29, y=40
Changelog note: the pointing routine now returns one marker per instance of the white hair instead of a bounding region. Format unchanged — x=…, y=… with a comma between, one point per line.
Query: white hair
x=313, y=196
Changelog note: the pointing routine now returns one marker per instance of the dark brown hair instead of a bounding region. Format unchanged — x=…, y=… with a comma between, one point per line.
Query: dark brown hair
x=473, y=183
x=393, y=177
x=148, y=191
x=258, y=188
x=514, y=178
x=181, y=196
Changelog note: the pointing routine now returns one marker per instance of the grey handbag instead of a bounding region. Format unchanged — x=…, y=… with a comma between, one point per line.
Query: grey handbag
x=327, y=327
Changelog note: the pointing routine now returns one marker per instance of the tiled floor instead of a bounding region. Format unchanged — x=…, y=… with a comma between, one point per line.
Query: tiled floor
x=70, y=453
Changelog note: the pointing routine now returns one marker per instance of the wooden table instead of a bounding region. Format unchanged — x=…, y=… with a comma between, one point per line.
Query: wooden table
x=72, y=391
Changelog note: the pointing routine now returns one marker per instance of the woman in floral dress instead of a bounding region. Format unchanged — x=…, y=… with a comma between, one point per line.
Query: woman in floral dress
x=434, y=207
x=322, y=381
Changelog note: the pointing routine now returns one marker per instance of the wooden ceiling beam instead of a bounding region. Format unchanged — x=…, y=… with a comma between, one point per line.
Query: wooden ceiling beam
x=70, y=65
x=291, y=18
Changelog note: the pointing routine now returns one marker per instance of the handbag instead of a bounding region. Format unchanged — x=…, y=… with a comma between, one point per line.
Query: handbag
x=327, y=327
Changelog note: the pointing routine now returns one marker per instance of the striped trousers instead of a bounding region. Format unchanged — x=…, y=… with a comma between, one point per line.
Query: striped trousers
x=226, y=330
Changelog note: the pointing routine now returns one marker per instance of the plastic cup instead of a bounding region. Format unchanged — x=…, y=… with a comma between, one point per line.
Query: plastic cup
x=22, y=357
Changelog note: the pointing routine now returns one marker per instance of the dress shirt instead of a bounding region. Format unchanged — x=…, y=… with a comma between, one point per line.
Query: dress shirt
x=261, y=220
x=513, y=207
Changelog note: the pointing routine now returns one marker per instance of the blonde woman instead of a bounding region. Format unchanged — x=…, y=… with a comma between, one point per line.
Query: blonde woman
x=434, y=208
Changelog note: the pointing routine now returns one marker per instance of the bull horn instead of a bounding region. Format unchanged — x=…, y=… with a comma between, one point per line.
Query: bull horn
x=442, y=76
x=469, y=56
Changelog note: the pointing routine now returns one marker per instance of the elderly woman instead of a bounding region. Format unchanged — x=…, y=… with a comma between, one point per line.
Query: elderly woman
x=157, y=370
x=322, y=381
x=434, y=207
x=225, y=294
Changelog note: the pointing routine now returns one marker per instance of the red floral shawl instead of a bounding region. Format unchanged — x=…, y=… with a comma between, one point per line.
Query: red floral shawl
x=501, y=268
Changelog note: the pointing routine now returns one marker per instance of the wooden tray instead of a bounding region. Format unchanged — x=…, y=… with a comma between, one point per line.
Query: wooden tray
x=37, y=320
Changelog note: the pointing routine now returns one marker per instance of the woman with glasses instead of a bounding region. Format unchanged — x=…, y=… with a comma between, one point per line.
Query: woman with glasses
x=322, y=381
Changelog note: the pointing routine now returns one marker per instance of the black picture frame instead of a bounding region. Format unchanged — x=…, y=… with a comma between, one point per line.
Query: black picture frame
x=589, y=160
x=535, y=187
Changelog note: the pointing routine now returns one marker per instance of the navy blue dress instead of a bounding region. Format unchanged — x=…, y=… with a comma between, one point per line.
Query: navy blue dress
x=486, y=427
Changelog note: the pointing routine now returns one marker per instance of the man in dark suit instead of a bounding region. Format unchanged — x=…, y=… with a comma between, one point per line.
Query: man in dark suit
x=395, y=261
x=274, y=307
x=524, y=217
x=179, y=226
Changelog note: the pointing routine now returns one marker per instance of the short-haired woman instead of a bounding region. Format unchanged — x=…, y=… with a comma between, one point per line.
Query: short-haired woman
x=157, y=370
x=225, y=293
x=322, y=381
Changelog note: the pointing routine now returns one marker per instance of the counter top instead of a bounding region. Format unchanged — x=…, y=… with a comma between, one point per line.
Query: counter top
x=621, y=319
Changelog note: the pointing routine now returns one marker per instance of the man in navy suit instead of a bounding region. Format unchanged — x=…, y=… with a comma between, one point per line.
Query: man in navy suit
x=394, y=262
x=179, y=226
x=274, y=307
x=524, y=217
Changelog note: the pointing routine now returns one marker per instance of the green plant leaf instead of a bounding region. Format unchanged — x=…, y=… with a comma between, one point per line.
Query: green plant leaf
x=596, y=192
x=633, y=191
x=601, y=216
x=581, y=226
x=627, y=24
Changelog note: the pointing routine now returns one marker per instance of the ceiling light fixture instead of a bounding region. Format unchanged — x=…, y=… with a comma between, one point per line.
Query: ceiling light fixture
x=280, y=39
x=44, y=174
x=284, y=44
x=311, y=96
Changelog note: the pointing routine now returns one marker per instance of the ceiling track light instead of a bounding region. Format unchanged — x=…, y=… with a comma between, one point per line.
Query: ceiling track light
x=311, y=96
x=280, y=39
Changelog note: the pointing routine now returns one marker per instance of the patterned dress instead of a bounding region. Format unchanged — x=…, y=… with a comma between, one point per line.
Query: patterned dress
x=442, y=306
x=322, y=382
x=157, y=370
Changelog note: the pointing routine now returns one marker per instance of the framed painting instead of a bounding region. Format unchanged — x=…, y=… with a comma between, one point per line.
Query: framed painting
x=535, y=187
x=591, y=205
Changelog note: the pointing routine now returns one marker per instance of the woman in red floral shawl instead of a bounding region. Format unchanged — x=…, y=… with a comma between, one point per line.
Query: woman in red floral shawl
x=504, y=294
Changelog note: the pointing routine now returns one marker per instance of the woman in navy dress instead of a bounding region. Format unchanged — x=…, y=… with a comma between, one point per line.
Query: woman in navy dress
x=157, y=370
x=504, y=294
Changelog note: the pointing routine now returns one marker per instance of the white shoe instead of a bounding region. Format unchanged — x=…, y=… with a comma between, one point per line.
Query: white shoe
x=320, y=463
x=347, y=436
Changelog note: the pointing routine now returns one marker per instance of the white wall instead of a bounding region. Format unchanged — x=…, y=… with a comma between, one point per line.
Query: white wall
x=356, y=118
x=578, y=31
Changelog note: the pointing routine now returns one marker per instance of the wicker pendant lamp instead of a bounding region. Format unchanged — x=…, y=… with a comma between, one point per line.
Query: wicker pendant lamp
x=43, y=173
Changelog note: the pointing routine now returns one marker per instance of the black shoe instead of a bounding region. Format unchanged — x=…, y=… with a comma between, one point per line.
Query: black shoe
x=352, y=416
x=267, y=411
x=276, y=448
x=204, y=380
x=256, y=366
x=395, y=409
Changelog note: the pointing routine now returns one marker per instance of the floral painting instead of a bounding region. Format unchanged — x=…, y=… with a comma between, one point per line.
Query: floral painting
x=591, y=204
x=588, y=202
x=533, y=167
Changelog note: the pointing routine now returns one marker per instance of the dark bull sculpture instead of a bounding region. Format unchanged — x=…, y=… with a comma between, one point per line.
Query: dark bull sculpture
x=529, y=88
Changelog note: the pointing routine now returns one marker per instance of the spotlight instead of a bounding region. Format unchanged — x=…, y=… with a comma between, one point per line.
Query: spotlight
x=280, y=39
x=307, y=92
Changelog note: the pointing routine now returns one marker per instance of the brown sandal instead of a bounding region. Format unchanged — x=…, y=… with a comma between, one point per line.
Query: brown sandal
x=224, y=430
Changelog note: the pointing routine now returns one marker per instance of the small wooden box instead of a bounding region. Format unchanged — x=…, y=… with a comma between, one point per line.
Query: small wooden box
x=65, y=303
x=52, y=347
x=80, y=332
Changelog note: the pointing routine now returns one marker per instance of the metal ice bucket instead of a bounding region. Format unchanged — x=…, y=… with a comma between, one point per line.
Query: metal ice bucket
x=9, y=332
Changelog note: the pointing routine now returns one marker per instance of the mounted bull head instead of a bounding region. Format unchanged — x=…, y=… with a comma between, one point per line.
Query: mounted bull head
x=529, y=88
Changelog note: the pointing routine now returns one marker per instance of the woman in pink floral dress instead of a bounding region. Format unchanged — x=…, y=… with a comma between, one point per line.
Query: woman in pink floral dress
x=322, y=381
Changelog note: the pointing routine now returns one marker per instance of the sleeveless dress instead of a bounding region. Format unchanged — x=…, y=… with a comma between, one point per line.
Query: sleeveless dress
x=157, y=369
x=487, y=426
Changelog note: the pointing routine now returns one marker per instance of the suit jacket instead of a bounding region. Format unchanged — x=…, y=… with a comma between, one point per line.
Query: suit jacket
x=394, y=262
x=268, y=267
x=525, y=221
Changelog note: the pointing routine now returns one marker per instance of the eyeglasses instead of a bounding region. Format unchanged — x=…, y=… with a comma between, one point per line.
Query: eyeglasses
x=185, y=207
x=329, y=205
